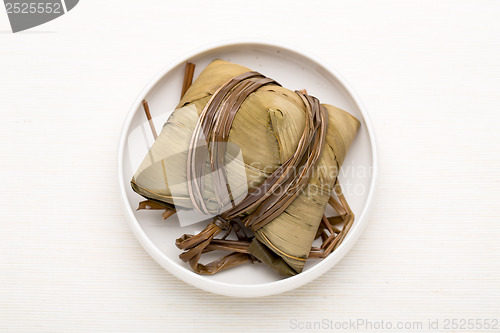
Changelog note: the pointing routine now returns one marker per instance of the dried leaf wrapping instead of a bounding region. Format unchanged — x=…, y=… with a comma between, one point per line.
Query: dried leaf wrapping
x=266, y=131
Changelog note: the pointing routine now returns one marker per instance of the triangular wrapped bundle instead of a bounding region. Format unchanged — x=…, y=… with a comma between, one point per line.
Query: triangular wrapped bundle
x=262, y=138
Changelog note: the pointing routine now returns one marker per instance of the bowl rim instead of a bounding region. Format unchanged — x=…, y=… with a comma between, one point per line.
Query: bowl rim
x=268, y=288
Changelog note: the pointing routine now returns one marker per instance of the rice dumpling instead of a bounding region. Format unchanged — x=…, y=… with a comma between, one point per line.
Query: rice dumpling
x=259, y=161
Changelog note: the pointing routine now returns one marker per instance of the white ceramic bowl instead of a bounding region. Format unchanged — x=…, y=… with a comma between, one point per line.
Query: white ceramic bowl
x=294, y=69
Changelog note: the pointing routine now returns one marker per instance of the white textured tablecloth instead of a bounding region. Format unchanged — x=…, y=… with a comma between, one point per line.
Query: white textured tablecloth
x=429, y=75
